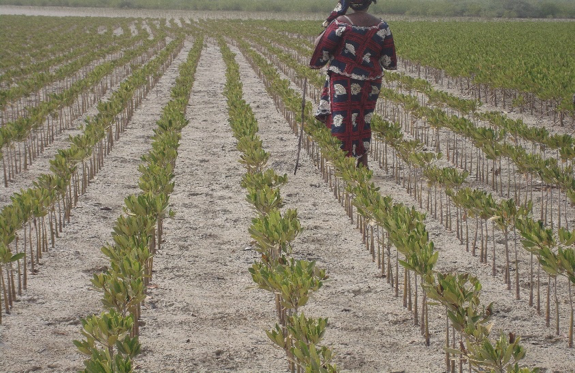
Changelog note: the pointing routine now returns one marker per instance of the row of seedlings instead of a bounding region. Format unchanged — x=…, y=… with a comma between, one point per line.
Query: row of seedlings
x=36, y=54
x=542, y=164
x=483, y=207
x=554, y=254
x=470, y=82
x=290, y=280
x=505, y=216
x=111, y=338
x=470, y=203
x=501, y=214
x=95, y=47
x=514, y=214
x=482, y=149
x=538, y=165
x=470, y=338
x=37, y=215
x=557, y=259
x=24, y=139
x=494, y=143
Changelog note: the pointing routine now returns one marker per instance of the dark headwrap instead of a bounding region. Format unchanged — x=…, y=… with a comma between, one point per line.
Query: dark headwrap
x=343, y=5
x=361, y=4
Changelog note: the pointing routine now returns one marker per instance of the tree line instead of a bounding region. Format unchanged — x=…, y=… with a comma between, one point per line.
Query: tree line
x=436, y=8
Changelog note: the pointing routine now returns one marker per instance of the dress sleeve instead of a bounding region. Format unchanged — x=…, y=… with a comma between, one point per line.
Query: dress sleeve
x=340, y=10
x=387, y=58
x=327, y=44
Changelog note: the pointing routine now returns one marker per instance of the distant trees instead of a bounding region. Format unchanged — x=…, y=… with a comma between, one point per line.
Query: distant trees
x=518, y=8
x=549, y=9
x=436, y=8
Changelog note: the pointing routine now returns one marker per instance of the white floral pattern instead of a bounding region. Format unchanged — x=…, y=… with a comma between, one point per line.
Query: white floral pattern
x=367, y=58
x=385, y=60
x=350, y=48
x=339, y=89
x=383, y=33
x=325, y=56
x=368, y=117
x=338, y=120
x=362, y=66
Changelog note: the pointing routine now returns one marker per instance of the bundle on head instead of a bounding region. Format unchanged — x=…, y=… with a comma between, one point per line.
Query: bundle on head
x=361, y=4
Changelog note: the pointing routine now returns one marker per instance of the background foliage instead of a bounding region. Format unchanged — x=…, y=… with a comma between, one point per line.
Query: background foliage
x=475, y=8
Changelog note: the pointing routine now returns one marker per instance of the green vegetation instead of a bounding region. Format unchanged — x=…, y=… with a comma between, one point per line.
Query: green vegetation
x=526, y=65
x=414, y=125
x=492, y=54
x=291, y=281
x=112, y=337
x=435, y=8
x=405, y=230
x=46, y=207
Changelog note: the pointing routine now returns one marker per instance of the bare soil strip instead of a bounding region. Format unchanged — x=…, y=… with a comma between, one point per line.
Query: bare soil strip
x=368, y=330
x=544, y=348
x=38, y=335
x=200, y=314
x=31, y=101
x=41, y=164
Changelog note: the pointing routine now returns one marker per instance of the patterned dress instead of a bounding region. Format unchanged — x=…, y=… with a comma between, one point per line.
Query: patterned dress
x=340, y=10
x=356, y=56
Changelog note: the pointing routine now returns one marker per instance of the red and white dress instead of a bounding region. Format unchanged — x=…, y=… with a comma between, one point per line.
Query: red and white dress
x=357, y=57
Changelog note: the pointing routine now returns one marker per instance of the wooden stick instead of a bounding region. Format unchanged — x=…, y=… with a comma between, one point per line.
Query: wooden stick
x=301, y=128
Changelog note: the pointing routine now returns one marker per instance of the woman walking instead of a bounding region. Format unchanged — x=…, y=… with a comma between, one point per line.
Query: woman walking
x=357, y=48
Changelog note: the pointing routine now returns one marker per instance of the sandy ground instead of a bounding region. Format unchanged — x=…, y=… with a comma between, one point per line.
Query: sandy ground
x=201, y=316
x=201, y=313
x=41, y=163
x=149, y=13
x=545, y=349
x=58, y=86
x=369, y=329
x=38, y=335
x=207, y=314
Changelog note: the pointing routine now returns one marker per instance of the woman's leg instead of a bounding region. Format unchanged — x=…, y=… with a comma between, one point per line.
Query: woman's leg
x=362, y=161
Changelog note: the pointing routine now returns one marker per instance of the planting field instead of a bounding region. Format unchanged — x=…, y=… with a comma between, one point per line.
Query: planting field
x=151, y=220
